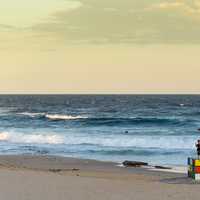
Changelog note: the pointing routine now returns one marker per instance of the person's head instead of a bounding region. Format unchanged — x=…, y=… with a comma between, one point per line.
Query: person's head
x=198, y=141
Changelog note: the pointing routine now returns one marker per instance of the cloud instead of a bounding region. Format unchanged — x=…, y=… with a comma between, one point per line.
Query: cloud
x=167, y=5
x=114, y=22
x=71, y=5
x=6, y=27
x=188, y=7
x=23, y=13
x=98, y=22
x=105, y=22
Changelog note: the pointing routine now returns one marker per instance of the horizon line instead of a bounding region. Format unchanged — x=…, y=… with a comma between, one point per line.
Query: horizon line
x=99, y=93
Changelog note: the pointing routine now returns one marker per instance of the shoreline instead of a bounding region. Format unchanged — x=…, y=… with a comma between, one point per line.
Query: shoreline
x=51, y=177
x=50, y=162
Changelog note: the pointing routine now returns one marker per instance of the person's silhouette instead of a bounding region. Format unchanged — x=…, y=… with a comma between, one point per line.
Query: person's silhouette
x=198, y=148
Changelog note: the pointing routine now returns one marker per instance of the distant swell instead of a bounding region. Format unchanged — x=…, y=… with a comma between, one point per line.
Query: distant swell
x=109, y=121
x=132, y=121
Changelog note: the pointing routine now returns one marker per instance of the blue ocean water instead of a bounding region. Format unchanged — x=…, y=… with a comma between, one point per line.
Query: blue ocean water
x=160, y=129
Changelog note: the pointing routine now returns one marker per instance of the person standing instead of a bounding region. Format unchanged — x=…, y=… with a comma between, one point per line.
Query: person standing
x=198, y=148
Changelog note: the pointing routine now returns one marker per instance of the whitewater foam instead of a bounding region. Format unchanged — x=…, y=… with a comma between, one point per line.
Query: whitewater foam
x=31, y=138
x=147, y=142
x=52, y=116
x=5, y=111
x=121, y=141
x=31, y=114
x=63, y=117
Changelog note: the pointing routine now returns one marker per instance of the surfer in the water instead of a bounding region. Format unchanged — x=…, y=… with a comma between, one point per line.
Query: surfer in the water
x=198, y=148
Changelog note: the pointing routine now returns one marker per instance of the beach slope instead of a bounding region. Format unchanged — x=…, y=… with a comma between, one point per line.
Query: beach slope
x=50, y=178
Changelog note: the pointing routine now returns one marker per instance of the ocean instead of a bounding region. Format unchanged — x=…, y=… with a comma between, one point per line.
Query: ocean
x=159, y=129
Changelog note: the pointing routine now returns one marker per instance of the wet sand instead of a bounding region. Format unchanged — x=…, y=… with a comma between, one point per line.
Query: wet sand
x=50, y=178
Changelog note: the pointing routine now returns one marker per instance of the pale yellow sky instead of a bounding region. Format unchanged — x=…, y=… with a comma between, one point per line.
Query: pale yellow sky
x=100, y=46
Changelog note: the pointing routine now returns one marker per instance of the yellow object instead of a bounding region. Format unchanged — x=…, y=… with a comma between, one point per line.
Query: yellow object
x=197, y=163
x=190, y=169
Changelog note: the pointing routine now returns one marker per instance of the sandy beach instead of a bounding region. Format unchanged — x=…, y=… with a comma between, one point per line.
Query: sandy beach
x=49, y=177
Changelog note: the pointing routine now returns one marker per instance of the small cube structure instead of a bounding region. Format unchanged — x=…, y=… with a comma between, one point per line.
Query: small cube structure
x=194, y=169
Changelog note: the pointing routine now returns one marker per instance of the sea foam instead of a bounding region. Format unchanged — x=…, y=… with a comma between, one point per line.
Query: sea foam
x=52, y=116
x=29, y=114
x=115, y=141
x=31, y=138
x=63, y=117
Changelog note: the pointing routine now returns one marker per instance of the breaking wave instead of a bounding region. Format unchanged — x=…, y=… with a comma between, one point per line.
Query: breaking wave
x=52, y=116
x=32, y=114
x=31, y=138
x=63, y=117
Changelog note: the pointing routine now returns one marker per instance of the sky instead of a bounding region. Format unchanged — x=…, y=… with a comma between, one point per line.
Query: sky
x=100, y=46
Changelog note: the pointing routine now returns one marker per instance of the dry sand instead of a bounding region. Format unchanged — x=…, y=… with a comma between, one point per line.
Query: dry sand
x=57, y=178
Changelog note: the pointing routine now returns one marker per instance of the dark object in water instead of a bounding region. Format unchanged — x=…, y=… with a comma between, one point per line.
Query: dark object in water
x=126, y=132
x=198, y=129
x=134, y=163
x=161, y=167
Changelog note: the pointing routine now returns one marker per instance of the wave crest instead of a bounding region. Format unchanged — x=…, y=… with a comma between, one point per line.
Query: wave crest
x=63, y=117
x=52, y=116
x=32, y=114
